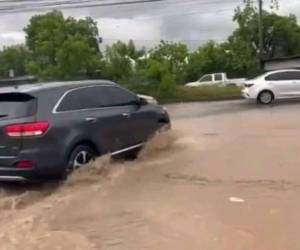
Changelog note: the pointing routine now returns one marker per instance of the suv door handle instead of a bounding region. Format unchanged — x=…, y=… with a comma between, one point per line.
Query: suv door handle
x=126, y=115
x=91, y=119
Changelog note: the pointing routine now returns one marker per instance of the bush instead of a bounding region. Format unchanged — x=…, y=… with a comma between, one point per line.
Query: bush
x=167, y=88
x=204, y=93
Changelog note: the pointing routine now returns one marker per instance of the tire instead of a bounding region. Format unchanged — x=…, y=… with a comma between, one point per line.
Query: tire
x=80, y=156
x=265, y=97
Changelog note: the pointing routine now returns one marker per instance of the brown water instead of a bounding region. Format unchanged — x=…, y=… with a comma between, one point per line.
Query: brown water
x=221, y=182
x=27, y=210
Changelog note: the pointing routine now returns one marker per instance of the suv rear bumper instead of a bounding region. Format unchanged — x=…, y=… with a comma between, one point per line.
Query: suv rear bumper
x=48, y=163
x=16, y=175
x=12, y=179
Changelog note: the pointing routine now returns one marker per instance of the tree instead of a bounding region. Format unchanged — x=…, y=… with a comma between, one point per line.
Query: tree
x=62, y=48
x=121, y=61
x=281, y=33
x=209, y=58
x=274, y=4
x=13, y=58
x=76, y=58
x=281, y=38
x=174, y=55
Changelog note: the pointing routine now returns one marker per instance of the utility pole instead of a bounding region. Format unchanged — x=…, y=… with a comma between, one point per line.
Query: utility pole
x=261, y=33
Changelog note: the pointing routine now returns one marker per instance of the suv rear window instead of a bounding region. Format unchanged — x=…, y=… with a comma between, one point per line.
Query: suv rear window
x=17, y=105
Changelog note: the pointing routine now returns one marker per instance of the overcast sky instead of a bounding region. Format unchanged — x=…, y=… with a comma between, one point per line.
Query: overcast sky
x=190, y=21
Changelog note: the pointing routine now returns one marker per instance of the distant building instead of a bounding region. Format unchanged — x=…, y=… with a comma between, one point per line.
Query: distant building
x=292, y=62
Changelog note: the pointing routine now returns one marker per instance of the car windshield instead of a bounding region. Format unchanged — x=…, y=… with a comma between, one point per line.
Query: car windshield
x=206, y=78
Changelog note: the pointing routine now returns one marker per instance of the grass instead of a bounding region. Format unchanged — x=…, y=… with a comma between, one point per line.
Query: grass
x=204, y=93
x=185, y=94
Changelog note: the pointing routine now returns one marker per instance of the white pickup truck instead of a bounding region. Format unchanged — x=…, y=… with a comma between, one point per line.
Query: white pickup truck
x=216, y=79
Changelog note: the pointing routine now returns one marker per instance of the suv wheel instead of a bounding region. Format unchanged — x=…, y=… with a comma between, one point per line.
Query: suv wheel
x=80, y=156
x=265, y=97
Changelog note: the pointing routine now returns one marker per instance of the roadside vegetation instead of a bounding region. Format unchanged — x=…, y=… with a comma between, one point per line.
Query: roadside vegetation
x=64, y=48
x=197, y=94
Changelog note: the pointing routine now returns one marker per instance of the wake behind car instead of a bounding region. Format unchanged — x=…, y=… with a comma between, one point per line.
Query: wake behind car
x=273, y=85
x=49, y=129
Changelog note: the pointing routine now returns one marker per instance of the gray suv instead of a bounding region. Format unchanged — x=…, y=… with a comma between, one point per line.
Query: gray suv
x=48, y=129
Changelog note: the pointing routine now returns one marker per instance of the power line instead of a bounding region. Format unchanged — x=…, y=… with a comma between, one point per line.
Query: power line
x=40, y=4
x=16, y=6
x=72, y=2
x=42, y=7
x=183, y=14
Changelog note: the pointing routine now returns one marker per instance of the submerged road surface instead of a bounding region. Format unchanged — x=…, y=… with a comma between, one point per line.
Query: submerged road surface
x=226, y=178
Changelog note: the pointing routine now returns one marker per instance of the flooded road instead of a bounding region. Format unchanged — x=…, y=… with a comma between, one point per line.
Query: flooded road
x=226, y=178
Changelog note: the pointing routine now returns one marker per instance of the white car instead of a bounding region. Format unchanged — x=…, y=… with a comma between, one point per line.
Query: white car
x=280, y=84
x=216, y=79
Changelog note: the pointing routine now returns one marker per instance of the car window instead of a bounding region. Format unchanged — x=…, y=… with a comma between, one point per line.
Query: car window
x=218, y=77
x=17, y=105
x=284, y=76
x=96, y=97
x=206, y=78
x=295, y=75
x=120, y=97
x=83, y=98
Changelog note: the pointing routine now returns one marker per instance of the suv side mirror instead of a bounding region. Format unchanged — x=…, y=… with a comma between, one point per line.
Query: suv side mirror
x=143, y=101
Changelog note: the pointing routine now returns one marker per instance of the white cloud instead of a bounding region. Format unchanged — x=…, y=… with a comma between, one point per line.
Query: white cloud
x=142, y=32
x=12, y=38
x=148, y=23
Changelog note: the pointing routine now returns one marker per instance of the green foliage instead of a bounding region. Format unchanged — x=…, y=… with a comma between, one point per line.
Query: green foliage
x=209, y=58
x=167, y=86
x=13, y=58
x=281, y=38
x=62, y=48
x=281, y=33
x=66, y=48
x=121, y=60
x=205, y=93
x=172, y=57
x=183, y=94
x=76, y=58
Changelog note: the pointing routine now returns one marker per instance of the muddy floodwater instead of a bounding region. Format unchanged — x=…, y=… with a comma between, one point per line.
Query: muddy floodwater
x=227, y=177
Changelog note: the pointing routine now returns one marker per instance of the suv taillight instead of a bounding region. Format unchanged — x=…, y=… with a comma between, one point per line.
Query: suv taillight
x=27, y=129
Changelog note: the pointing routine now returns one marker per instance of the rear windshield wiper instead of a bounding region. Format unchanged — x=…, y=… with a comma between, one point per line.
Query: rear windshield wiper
x=1, y=116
